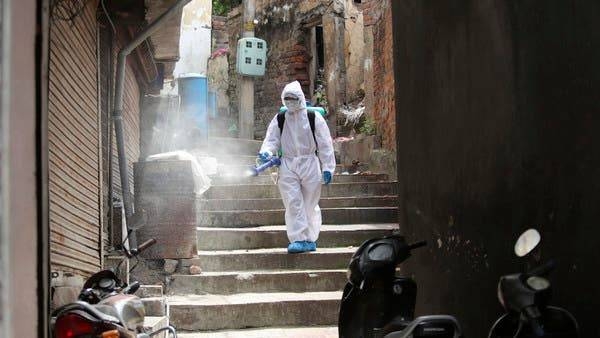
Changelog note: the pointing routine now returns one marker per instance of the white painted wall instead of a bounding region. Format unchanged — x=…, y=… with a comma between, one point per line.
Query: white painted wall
x=18, y=222
x=195, y=39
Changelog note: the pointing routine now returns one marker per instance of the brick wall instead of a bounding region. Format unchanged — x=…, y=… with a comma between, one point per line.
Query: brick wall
x=220, y=36
x=287, y=58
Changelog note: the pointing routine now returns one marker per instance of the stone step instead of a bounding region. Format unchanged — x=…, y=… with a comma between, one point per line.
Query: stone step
x=258, y=281
x=265, y=179
x=269, y=259
x=153, y=323
x=250, y=218
x=277, y=332
x=277, y=203
x=238, y=160
x=226, y=145
x=155, y=306
x=276, y=237
x=331, y=190
x=247, y=310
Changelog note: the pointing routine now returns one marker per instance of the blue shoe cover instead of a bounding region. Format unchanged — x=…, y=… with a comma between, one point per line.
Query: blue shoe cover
x=302, y=246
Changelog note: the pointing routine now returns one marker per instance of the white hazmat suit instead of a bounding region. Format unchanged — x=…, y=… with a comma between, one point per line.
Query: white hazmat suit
x=300, y=172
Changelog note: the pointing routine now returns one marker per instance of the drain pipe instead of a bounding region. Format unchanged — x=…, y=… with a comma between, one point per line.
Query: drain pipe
x=117, y=114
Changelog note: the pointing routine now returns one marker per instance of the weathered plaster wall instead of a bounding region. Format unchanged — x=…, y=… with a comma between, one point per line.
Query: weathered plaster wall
x=497, y=132
x=369, y=101
x=218, y=82
x=195, y=38
x=234, y=31
x=354, y=46
x=379, y=69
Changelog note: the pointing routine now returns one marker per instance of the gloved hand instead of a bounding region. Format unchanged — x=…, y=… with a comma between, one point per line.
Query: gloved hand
x=327, y=177
x=264, y=157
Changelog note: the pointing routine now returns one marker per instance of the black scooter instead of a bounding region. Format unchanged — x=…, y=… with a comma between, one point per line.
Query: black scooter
x=377, y=303
x=525, y=297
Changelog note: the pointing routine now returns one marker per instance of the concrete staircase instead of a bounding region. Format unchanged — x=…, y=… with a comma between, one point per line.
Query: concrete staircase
x=249, y=285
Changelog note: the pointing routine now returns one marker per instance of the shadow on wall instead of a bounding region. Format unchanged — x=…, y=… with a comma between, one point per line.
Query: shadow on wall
x=497, y=132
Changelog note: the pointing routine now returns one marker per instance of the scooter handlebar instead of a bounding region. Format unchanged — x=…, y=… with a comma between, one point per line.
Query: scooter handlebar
x=543, y=269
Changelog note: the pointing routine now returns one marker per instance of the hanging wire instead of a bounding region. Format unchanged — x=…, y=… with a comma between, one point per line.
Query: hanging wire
x=108, y=17
x=67, y=10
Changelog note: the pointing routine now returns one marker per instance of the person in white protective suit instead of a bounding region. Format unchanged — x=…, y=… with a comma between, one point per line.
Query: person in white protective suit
x=300, y=171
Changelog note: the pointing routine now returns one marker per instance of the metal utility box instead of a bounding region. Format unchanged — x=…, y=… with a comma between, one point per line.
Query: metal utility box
x=251, y=56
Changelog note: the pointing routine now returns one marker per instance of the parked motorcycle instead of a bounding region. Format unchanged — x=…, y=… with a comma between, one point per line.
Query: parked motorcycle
x=525, y=298
x=377, y=303
x=107, y=308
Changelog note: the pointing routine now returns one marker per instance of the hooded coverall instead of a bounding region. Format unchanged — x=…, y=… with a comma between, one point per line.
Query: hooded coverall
x=300, y=172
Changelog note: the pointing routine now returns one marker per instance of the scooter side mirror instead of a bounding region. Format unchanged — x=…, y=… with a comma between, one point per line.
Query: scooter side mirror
x=527, y=242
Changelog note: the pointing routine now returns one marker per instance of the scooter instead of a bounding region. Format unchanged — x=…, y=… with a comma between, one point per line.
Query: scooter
x=107, y=308
x=377, y=303
x=525, y=298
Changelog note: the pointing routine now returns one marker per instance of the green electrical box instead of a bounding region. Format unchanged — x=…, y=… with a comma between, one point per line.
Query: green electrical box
x=251, y=56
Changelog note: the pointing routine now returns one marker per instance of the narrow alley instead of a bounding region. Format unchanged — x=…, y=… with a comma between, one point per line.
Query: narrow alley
x=281, y=168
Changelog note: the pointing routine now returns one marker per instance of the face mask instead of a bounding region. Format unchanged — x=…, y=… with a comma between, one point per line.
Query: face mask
x=293, y=105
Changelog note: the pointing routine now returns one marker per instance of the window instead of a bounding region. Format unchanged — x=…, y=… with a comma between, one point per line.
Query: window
x=249, y=61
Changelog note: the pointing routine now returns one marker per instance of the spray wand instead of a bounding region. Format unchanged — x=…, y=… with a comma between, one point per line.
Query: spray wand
x=273, y=161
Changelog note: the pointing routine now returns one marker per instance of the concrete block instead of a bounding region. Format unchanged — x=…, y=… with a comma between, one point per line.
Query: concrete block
x=357, y=149
x=384, y=161
x=155, y=306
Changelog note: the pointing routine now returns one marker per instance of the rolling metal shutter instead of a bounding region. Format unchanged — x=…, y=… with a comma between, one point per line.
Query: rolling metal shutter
x=73, y=132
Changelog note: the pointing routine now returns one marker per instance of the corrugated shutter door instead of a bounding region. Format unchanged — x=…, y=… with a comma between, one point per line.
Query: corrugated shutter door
x=73, y=144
